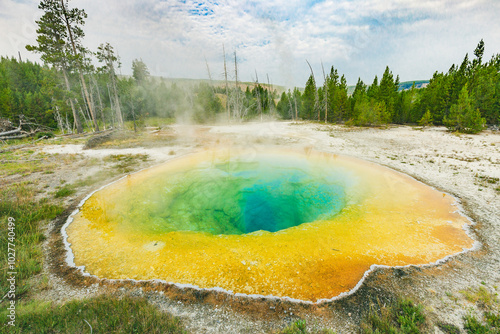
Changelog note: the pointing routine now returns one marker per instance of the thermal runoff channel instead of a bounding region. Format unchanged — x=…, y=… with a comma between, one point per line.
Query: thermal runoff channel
x=304, y=225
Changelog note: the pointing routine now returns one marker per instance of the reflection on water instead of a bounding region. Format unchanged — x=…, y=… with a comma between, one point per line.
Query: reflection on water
x=273, y=223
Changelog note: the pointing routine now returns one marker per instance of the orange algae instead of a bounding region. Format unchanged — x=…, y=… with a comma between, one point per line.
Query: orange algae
x=388, y=219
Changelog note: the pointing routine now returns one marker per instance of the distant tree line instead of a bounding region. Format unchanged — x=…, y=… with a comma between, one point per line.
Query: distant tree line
x=72, y=94
x=464, y=99
x=27, y=89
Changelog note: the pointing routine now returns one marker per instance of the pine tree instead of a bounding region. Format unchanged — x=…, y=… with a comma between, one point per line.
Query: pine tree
x=106, y=55
x=309, y=99
x=59, y=42
x=388, y=91
x=426, y=120
x=463, y=116
x=140, y=71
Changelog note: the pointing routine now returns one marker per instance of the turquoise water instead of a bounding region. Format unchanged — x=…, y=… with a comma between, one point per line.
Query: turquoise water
x=237, y=197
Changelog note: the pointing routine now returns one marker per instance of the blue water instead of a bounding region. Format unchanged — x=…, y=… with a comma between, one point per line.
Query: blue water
x=238, y=197
x=290, y=199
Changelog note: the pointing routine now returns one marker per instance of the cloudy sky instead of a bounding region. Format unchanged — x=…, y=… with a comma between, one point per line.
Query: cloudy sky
x=359, y=37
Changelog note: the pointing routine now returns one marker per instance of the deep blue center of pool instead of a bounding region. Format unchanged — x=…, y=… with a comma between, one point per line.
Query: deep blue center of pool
x=267, y=194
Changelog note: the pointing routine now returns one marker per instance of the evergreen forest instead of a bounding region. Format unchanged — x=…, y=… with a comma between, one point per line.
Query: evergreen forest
x=77, y=89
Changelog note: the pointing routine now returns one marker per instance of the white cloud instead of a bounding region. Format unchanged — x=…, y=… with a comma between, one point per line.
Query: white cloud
x=359, y=37
x=17, y=26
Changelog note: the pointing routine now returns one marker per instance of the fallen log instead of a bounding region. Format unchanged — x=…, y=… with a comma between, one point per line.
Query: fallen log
x=15, y=137
x=10, y=132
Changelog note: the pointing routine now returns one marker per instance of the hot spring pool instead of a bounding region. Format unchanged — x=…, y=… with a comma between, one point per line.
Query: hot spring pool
x=302, y=225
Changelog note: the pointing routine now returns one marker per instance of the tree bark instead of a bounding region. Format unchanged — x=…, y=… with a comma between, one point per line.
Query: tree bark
x=316, y=102
x=100, y=102
x=237, y=107
x=10, y=132
x=118, y=111
x=227, y=91
x=325, y=93
x=82, y=79
x=76, y=118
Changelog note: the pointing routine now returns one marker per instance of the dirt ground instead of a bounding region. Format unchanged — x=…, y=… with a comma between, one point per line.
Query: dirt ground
x=466, y=166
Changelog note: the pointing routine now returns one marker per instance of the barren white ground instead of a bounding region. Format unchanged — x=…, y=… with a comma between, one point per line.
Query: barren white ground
x=463, y=165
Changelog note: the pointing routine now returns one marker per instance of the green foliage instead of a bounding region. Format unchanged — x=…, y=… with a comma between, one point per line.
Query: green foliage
x=125, y=163
x=65, y=191
x=207, y=104
x=37, y=92
x=448, y=328
x=298, y=327
x=19, y=202
x=385, y=102
x=140, y=71
x=59, y=41
x=488, y=305
x=492, y=319
x=128, y=315
x=426, y=120
x=27, y=89
x=491, y=326
x=463, y=117
x=370, y=113
x=44, y=134
x=285, y=107
x=403, y=316
x=309, y=102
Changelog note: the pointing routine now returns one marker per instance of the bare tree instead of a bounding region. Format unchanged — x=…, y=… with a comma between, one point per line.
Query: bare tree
x=106, y=55
x=227, y=90
x=209, y=75
x=237, y=88
x=271, y=94
x=325, y=92
x=316, y=102
x=78, y=16
x=257, y=89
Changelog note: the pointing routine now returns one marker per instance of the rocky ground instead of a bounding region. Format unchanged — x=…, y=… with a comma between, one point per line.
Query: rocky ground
x=466, y=166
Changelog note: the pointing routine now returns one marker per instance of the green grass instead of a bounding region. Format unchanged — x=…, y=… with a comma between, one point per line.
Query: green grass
x=18, y=201
x=300, y=327
x=104, y=314
x=488, y=321
x=158, y=122
x=97, y=178
x=65, y=191
x=491, y=324
x=448, y=328
x=404, y=316
x=482, y=297
x=125, y=163
x=24, y=162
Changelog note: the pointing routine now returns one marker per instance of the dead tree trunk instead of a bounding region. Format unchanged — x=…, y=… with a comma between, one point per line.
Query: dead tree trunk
x=325, y=93
x=77, y=121
x=237, y=106
x=296, y=112
x=10, y=132
x=75, y=53
x=118, y=110
x=113, y=120
x=210, y=76
x=291, y=108
x=271, y=95
x=100, y=101
x=227, y=91
x=316, y=98
x=259, y=106
x=86, y=110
